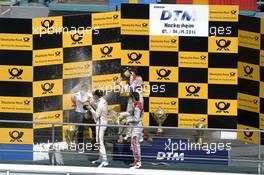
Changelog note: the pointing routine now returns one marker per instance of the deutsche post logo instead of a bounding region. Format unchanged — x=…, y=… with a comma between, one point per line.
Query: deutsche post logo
x=26, y=102
x=203, y=57
x=192, y=90
x=248, y=71
x=232, y=74
x=223, y=44
x=106, y=51
x=248, y=134
x=134, y=57
x=173, y=41
x=26, y=39
x=173, y=103
x=233, y=12
x=76, y=38
x=222, y=107
x=47, y=24
x=57, y=116
x=144, y=25
x=256, y=38
x=115, y=78
x=115, y=16
x=255, y=101
x=15, y=73
x=57, y=53
x=47, y=87
x=16, y=136
x=163, y=74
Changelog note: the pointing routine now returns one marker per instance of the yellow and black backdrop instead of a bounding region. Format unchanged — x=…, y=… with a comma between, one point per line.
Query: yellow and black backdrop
x=43, y=61
x=191, y=74
x=251, y=73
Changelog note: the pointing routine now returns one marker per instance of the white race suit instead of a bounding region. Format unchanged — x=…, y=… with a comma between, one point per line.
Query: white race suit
x=101, y=119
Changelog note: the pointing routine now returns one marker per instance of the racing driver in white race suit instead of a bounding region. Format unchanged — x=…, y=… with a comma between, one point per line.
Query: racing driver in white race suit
x=100, y=115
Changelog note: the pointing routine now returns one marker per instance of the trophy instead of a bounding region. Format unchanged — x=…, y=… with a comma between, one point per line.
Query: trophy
x=160, y=116
x=200, y=133
x=71, y=133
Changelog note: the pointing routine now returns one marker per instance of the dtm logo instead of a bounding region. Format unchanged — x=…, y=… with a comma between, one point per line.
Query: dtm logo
x=15, y=73
x=76, y=38
x=163, y=74
x=177, y=15
x=134, y=57
x=47, y=87
x=222, y=107
x=106, y=51
x=16, y=136
x=223, y=44
x=47, y=24
x=169, y=152
x=248, y=71
x=192, y=90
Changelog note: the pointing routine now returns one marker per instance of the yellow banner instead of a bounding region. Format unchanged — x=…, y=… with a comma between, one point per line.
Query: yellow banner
x=191, y=120
x=134, y=27
x=170, y=105
x=248, y=136
x=146, y=119
x=222, y=76
x=105, y=20
x=77, y=38
x=115, y=107
x=16, y=104
x=106, y=51
x=193, y=59
x=222, y=107
x=48, y=25
x=16, y=73
x=261, y=57
x=261, y=89
x=249, y=39
x=163, y=74
x=15, y=41
x=16, y=136
x=47, y=57
x=200, y=2
x=248, y=71
x=193, y=90
x=67, y=102
x=105, y=82
x=77, y=69
x=135, y=58
x=248, y=102
x=223, y=44
x=262, y=26
x=164, y=43
x=261, y=118
x=47, y=88
x=223, y=13
x=51, y=116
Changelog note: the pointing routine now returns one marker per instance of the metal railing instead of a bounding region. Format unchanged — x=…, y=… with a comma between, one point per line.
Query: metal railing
x=242, y=153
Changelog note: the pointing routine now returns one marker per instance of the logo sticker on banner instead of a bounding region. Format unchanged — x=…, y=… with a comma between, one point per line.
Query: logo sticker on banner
x=179, y=20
